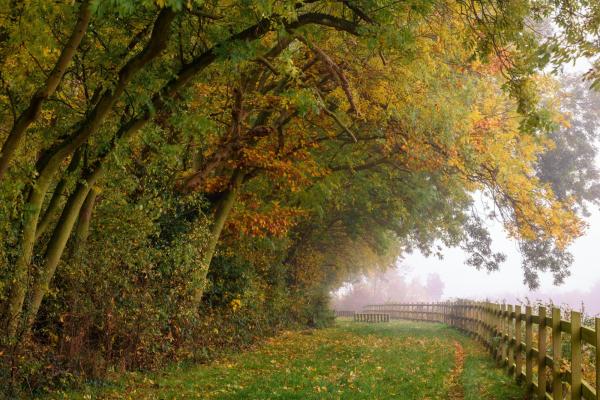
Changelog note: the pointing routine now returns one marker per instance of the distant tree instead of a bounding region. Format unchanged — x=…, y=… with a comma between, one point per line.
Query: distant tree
x=434, y=287
x=570, y=165
x=387, y=287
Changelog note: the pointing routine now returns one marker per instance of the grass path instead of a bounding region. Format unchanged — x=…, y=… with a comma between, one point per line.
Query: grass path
x=399, y=360
x=456, y=391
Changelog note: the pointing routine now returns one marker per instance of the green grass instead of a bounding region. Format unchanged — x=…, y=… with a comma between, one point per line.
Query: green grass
x=399, y=360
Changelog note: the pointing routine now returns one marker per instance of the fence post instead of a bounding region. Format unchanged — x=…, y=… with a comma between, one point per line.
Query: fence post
x=556, y=354
x=597, y=358
x=486, y=318
x=493, y=331
x=506, y=336
x=503, y=353
x=463, y=316
x=466, y=316
x=542, y=353
x=576, y=355
x=510, y=344
x=476, y=321
x=453, y=313
x=528, y=347
x=484, y=322
x=490, y=320
x=477, y=317
x=518, y=340
x=480, y=319
x=491, y=327
x=446, y=313
x=474, y=324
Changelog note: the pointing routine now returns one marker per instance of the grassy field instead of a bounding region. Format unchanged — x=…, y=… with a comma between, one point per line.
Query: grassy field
x=399, y=360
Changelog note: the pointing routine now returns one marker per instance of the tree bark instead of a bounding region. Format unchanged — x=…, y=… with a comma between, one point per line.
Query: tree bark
x=32, y=112
x=21, y=275
x=57, y=244
x=222, y=211
x=83, y=223
x=55, y=200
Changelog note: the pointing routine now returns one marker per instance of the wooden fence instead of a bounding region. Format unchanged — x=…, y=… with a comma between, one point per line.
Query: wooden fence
x=549, y=366
x=371, y=317
x=344, y=313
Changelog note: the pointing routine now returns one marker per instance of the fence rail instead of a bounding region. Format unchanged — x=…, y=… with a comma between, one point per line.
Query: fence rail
x=371, y=317
x=344, y=313
x=530, y=355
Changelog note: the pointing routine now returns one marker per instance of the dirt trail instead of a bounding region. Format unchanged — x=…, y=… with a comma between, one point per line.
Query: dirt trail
x=455, y=388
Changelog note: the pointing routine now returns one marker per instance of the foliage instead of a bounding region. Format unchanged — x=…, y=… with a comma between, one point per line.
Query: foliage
x=174, y=168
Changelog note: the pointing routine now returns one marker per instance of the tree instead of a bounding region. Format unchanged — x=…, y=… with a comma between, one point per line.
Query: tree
x=283, y=146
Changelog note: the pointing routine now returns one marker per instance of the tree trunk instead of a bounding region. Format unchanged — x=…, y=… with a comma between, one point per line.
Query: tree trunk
x=55, y=201
x=51, y=163
x=20, y=281
x=83, y=224
x=222, y=211
x=57, y=244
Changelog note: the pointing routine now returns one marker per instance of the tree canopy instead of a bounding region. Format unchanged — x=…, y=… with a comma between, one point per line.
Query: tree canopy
x=165, y=164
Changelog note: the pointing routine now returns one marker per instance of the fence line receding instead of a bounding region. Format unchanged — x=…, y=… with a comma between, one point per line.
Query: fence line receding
x=521, y=341
x=372, y=317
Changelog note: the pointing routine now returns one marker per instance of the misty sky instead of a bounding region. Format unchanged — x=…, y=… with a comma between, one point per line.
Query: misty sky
x=464, y=281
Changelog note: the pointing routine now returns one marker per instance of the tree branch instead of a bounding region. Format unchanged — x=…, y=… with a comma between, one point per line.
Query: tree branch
x=32, y=112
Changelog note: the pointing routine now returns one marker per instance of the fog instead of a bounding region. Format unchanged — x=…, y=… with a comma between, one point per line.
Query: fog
x=392, y=286
x=409, y=280
x=462, y=281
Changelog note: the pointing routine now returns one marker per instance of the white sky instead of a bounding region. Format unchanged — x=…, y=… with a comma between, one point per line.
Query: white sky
x=464, y=281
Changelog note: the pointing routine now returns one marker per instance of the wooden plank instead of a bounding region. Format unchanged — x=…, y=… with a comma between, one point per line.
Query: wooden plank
x=588, y=335
x=510, y=340
x=597, y=358
x=491, y=326
x=488, y=330
x=528, y=347
x=542, y=353
x=576, y=355
x=565, y=326
x=556, y=354
x=497, y=337
x=587, y=391
x=500, y=324
x=518, y=349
